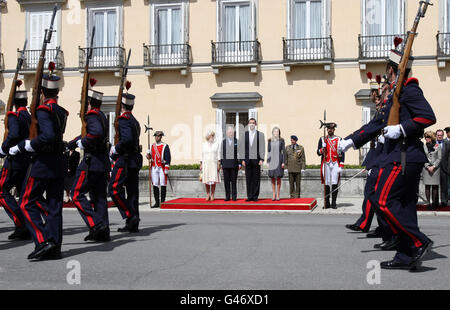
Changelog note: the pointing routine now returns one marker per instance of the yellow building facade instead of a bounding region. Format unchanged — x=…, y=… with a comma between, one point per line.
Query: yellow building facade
x=198, y=65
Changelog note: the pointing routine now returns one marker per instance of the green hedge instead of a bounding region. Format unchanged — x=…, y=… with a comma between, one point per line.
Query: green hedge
x=197, y=167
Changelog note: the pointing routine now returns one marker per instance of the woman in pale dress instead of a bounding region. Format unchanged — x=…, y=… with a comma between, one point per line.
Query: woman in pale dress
x=210, y=165
x=431, y=171
x=276, y=158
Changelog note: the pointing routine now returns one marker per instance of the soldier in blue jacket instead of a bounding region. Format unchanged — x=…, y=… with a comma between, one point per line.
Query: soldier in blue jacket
x=45, y=174
x=402, y=161
x=15, y=167
x=128, y=161
x=92, y=173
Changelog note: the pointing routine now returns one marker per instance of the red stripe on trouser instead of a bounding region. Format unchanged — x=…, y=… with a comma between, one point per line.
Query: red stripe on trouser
x=3, y=179
x=368, y=204
x=76, y=193
x=393, y=176
x=392, y=227
x=25, y=199
x=15, y=218
x=115, y=194
x=364, y=223
x=376, y=187
x=42, y=208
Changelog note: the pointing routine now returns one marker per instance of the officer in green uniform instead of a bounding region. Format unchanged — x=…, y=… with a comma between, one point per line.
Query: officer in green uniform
x=295, y=164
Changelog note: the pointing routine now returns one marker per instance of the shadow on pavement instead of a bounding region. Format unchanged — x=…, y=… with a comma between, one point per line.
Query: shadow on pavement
x=6, y=245
x=117, y=240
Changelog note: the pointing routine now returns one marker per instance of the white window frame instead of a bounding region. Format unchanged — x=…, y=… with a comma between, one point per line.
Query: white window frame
x=237, y=108
x=41, y=9
x=326, y=18
x=97, y=6
x=236, y=55
x=325, y=31
x=157, y=5
x=402, y=7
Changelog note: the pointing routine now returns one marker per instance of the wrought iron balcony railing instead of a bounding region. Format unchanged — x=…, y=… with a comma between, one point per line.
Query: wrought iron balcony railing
x=443, y=44
x=107, y=58
x=307, y=50
x=32, y=59
x=377, y=47
x=240, y=52
x=167, y=55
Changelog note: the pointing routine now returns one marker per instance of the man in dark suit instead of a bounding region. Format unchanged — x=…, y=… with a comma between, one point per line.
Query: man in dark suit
x=254, y=152
x=445, y=172
x=230, y=163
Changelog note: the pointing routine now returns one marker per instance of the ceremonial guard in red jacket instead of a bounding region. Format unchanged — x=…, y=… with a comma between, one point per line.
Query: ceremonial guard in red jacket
x=160, y=158
x=332, y=164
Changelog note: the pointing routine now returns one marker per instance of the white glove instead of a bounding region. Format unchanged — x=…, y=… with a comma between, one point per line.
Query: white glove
x=14, y=150
x=113, y=150
x=302, y=171
x=393, y=132
x=149, y=151
x=28, y=147
x=369, y=172
x=345, y=145
x=339, y=170
x=381, y=139
x=80, y=144
x=1, y=152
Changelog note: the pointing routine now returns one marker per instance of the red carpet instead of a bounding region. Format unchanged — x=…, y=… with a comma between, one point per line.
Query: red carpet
x=424, y=208
x=241, y=204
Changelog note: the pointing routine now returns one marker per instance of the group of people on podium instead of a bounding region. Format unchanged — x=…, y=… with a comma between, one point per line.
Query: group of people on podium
x=231, y=155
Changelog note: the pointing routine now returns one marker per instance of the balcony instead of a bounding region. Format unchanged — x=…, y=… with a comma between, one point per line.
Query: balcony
x=376, y=49
x=103, y=58
x=309, y=51
x=443, y=48
x=32, y=60
x=236, y=54
x=167, y=57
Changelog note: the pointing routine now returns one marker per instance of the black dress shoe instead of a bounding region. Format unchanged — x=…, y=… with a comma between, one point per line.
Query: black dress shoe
x=41, y=250
x=227, y=199
x=388, y=245
x=395, y=264
x=234, y=199
x=421, y=252
x=52, y=254
x=124, y=229
x=248, y=199
x=353, y=227
x=102, y=234
x=90, y=236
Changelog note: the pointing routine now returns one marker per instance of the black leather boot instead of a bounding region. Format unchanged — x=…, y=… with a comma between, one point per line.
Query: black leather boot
x=156, y=195
x=334, y=196
x=163, y=193
x=327, y=197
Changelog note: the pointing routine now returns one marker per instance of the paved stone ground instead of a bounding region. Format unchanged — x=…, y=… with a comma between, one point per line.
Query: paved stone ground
x=216, y=250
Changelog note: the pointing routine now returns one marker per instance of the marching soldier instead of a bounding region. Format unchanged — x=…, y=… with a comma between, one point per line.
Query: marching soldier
x=92, y=173
x=160, y=157
x=332, y=164
x=15, y=167
x=401, y=161
x=45, y=174
x=128, y=162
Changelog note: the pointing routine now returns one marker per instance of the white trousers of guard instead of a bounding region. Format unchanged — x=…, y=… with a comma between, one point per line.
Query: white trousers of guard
x=331, y=173
x=159, y=178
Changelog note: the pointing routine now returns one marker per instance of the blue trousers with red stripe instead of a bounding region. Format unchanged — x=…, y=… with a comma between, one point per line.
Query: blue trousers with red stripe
x=94, y=212
x=12, y=178
x=396, y=197
x=43, y=217
x=366, y=218
x=125, y=179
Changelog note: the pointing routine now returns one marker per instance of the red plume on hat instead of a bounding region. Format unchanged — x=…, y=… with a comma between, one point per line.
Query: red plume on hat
x=92, y=81
x=19, y=83
x=378, y=79
x=128, y=85
x=369, y=75
x=51, y=67
x=397, y=41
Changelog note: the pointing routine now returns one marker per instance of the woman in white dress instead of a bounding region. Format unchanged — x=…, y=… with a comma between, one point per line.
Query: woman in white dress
x=210, y=165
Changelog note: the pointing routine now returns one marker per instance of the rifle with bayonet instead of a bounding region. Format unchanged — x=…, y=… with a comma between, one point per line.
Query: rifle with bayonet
x=394, y=113
x=119, y=98
x=36, y=97
x=12, y=92
x=85, y=87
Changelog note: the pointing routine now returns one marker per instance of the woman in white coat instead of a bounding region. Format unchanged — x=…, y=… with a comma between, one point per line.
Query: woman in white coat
x=210, y=165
